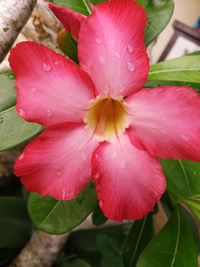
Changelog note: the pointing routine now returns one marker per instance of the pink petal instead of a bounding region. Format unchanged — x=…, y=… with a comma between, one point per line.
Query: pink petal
x=112, y=49
x=50, y=88
x=58, y=162
x=165, y=121
x=70, y=19
x=128, y=181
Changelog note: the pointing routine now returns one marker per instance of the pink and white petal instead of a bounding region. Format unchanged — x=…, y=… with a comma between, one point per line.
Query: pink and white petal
x=165, y=121
x=128, y=181
x=111, y=47
x=71, y=20
x=51, y=89
x=58, y=162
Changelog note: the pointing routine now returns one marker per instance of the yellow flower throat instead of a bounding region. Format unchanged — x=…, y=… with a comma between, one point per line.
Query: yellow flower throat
x=106, y=117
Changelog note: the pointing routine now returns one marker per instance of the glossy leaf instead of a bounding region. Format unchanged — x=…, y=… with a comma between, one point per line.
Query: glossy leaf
x=14, y=130
x=174, y=246
x=184, y=69
x=139, y=236
x=183, y=182
x=15, y=226
x=157, y=83
x=159, y=13
x=7, y=90
x=56, y=217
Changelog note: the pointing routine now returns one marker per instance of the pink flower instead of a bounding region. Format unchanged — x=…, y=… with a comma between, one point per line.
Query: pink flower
x=100, y=123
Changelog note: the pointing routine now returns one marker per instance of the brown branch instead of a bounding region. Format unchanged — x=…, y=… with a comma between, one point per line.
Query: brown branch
x=13, y=16
x=43, y=249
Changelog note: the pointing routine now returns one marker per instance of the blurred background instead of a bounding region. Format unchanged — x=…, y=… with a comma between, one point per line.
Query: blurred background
x=187, y=12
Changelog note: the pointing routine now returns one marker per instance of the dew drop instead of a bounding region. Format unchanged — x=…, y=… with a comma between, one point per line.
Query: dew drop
x=1, y=120
x=58, y=173
x=102, y=60
x=130, y=66
x=98, y=41
x=184, y=137
x=46, y=67
x=114, y=155
x=33, y=89
x=97, y=176
x=21, y=112
x=101, y=204
x=122, y=165
x=117, y=54
x=49, y=113
x=57, y=62
x=21, y=156
x=130, y=48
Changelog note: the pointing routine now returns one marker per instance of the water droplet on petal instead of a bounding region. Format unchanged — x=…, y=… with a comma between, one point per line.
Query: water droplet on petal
x=184, y=137
x=130, y=66
x=57, y=62
x=22, y=112
x=130, y=48
x=102, y=60
x=33, y=89
x=101, y=204
x=117, y=54
x=97, y=176
x=98, y=41
x=49, y=113
x=46, y=67
x=21, y=156
x=114, y=155
x=58, y=173
x=122, y=165
x=1, y=120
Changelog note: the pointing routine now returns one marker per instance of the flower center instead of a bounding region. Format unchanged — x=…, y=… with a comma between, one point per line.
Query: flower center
x=106, y=117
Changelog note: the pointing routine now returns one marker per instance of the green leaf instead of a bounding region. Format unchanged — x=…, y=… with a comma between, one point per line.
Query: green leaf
x=184, y=69
x=14, y=130
x=174, y=246
x=80, y=6
x=139, y=236
x=57, y=217
x=159, y=13
x=183, y=183
x=7, y=90
x=182, y=178
x=152, y=84
x=98, y=217
x=15, y=226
